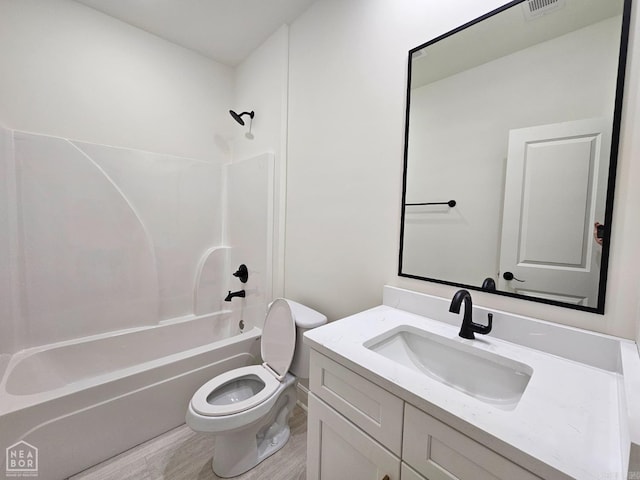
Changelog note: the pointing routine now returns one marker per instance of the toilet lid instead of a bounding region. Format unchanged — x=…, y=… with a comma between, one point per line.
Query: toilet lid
x=279, y=338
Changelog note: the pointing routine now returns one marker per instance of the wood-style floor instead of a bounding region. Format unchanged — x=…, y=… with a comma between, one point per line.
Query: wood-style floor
x=182, y=454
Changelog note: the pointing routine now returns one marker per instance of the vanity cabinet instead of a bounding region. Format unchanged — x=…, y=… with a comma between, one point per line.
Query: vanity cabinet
x=342, y=451
x=440, y=452
x=359, y=431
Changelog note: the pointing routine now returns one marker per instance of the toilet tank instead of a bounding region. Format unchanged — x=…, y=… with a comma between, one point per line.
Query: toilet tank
x=306, y=318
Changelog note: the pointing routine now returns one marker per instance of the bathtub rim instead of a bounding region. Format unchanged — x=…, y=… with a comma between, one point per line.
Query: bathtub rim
x=115, y=333
x=9, y=360
x=19, y=402
x=145, y=388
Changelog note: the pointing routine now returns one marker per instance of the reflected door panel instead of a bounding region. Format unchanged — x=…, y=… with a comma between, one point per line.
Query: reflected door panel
x=555, y=183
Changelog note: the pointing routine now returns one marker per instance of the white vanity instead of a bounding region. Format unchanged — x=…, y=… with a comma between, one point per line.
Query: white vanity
x=396, y=394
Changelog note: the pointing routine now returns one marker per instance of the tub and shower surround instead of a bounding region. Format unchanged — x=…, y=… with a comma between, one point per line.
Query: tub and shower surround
x=113, y=272
x=105, y=238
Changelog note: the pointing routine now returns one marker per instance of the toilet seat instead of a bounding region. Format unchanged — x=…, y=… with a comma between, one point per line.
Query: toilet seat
x=200, y=404
x=278, y=345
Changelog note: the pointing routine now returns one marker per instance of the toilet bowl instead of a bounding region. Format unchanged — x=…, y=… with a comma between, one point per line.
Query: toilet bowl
x=249, y=408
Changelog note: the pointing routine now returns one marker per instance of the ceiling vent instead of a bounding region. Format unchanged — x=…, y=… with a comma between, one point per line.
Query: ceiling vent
x=537, y=8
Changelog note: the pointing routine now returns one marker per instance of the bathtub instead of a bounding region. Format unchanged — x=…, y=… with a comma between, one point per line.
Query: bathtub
x=82, y=402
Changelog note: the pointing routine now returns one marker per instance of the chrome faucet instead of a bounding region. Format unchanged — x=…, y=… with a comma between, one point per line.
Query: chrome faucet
x=468, y=326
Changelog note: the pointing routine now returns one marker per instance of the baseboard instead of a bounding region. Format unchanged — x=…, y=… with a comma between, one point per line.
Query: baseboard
x=302, y=396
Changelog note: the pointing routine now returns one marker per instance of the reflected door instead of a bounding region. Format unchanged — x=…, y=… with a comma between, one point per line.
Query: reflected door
x=554, y=192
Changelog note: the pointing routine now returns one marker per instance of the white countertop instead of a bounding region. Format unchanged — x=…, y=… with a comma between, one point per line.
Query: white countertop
x=566, y=425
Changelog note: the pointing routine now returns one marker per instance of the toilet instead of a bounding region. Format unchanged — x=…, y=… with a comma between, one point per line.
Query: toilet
x=248, y=408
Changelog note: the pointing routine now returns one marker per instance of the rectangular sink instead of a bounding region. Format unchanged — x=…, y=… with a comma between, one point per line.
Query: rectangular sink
x=483, y=375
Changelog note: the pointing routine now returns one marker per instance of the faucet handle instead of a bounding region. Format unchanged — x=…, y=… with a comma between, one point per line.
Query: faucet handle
x=483, y=329
x=242, y=273
x=490, y=322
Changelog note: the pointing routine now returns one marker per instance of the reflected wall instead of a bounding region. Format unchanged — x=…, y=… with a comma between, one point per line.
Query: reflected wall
x=468, y=162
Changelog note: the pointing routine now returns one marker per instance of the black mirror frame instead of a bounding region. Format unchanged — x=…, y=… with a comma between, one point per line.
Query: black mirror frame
x=613, y=163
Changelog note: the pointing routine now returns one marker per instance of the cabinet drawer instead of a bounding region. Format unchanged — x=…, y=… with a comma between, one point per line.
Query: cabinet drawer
x=370, y=407
x=439, y=452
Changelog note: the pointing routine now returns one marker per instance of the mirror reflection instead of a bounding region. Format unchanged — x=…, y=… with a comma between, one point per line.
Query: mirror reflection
x=514, y=119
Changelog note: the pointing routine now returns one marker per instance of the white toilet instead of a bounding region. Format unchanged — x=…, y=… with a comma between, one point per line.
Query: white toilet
x=248, y=408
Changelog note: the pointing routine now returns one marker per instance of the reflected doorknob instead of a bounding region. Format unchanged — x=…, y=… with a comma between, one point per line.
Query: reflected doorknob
x=509, y=276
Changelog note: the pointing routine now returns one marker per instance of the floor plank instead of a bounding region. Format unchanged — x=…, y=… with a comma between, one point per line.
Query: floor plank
x=182, y=454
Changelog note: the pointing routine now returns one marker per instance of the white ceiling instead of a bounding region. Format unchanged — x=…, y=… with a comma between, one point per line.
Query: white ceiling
x=224, y=30
x=502, y=34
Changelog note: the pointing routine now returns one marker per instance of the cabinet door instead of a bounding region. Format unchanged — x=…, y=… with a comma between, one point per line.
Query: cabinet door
x=337, y=449
x=441, y=453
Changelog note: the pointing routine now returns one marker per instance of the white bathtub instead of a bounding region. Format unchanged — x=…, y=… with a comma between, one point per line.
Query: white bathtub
x=82, y=402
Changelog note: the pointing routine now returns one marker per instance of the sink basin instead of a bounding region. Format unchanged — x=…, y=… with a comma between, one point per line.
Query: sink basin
x=483, y=375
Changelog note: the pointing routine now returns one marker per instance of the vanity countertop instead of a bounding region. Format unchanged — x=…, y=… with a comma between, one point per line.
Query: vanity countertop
x=568, y=423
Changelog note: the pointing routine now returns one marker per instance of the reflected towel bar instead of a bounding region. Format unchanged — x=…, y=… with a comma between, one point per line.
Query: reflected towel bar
x=451, y=203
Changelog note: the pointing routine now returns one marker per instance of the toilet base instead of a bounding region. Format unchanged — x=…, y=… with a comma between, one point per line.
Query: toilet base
x=238, y=452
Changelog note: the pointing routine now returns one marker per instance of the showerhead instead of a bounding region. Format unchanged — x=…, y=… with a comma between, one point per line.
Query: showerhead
x=238, y=117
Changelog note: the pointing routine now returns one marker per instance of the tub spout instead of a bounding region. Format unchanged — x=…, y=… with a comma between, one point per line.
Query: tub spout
x=239, y=293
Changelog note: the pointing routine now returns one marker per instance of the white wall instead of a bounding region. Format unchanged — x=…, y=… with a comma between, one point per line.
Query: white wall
x=261, y=82
x=465, y=159
x=7, y=246
x=70, y=71
x=629, y=173
x=347, y=85
x=638, y=325
x=101, y=238
x=346, y=126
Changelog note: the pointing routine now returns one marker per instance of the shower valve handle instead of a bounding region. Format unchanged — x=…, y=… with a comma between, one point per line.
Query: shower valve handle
x=242, y=273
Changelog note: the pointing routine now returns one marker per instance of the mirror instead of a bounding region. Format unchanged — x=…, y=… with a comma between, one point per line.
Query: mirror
x=510, y=151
